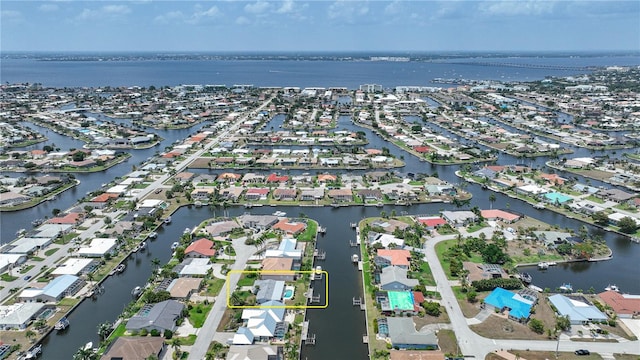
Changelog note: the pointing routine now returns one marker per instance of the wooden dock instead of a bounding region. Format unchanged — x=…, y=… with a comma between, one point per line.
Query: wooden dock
x=353, y=244
x=305, y=337
x=319, y=254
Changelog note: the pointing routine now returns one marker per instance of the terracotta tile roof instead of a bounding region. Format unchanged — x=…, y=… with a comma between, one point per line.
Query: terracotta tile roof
x=202, y=247
x=398, y=257
x=71, y=218
x=436, y=221
x=104, y=197
x=503, y=215
x=290, y=227
x=621, y=303
x=279, y=264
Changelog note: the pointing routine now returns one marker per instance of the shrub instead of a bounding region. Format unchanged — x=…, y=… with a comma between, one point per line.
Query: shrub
x=155, y=332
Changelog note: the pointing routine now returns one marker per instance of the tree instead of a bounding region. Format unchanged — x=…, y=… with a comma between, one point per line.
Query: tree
x=85, y=354
x=493, y=254
x=563, y=323
x=56, y=212
x=104, y=330
x=431, y=308
x=30, y=334
x=536, y=326
x=176, y=344
x=600, y=218
x=492, y=199
x=156, y=264
x=627, y=225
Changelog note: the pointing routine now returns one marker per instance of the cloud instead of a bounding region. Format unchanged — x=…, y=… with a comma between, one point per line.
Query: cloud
x=259, y=7
x=287, y=7
x=514, y=8
x=48, y=7
x=242, y=20
x=347, y=11
x=393, y=8
x=170, y=16
x=105, y=12
x=11, y=17
x=116, y=9
x=202, y=15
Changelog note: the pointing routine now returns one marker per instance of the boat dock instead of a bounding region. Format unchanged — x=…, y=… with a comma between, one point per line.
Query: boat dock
x=319, y=254
x=359, y=302
x=307, y=339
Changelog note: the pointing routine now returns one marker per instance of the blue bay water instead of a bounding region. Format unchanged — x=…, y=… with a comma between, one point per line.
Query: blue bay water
x=301, y=73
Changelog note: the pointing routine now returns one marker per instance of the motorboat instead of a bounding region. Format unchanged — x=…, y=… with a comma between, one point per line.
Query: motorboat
x=62, y=324
x=120, y=268
x=525, y=277
x=175, y=245
x=566, y=287
x=186, y=231
x=612, y=288
x=33, y=352
x=167, y=220
x=153, y=235
x=136, y=291
x=279, y=213
x=143, y=246
x=543, y=265
x=354, y=258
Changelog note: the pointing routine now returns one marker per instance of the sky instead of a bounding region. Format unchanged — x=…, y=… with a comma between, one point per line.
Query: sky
x=318, y=25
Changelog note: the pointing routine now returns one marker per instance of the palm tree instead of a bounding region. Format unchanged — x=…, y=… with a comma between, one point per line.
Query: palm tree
x=104, y=329
x=29, y=334
x=156, y=264
x=176, y=344
x=85, y=354
x=492, y=199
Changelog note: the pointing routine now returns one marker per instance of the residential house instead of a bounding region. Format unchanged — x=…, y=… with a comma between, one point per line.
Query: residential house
x=160, y=316
x=370, y=195
x=257, y=222
x=577, y=308
x=340, y=195
x=395, y=278
x=290, y=227
x=182, y=288
x=255, y=194
x=518, y=307
x=202, y=248
x=459, y=218
x=311, y=194
x=285, y=194
x=135, y=348
x=393, y=257
x=277, y=269
x=221, y=228
x=268, y=290
x=625, y=305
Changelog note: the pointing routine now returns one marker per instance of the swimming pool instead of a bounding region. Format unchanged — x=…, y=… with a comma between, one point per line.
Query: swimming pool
x=288, y=293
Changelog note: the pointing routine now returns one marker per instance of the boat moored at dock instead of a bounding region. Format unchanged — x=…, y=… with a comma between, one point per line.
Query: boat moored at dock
x=62, y=324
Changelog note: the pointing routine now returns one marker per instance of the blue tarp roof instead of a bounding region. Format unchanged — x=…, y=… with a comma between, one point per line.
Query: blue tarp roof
x=519, y=306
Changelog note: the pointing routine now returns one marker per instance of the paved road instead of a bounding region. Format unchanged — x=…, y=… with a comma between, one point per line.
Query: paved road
x=472, y=344
x=207, y=332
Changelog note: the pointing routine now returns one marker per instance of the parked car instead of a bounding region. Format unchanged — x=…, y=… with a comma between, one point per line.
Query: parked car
x=27, y=278
x=158, y=191
x=582, y=352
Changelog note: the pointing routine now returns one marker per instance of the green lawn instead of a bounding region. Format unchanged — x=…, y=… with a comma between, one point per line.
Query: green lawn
x=51, y=251
x=441, y=248
x=309, y=233
x=119, y=331
x=8, y=278
x=37, y=258
x=594, y=199
x=214, y=286
x=246, y=281
x=198, y=314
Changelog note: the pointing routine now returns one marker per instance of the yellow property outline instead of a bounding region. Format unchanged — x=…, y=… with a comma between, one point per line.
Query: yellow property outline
x=323, y=272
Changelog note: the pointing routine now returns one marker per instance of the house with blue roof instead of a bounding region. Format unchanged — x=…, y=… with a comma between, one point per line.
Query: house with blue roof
x=58, y=288
x=518, y=307
x=577, y=308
